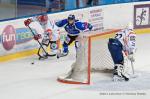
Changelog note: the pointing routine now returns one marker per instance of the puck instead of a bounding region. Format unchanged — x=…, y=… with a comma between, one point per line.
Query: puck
x=32, y=63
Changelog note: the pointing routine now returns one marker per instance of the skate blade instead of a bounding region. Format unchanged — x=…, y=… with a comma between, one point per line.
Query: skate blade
x=62, y=55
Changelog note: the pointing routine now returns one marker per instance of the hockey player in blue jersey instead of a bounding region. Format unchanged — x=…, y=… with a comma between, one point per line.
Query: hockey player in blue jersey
x=73, y=28
x=122, y=45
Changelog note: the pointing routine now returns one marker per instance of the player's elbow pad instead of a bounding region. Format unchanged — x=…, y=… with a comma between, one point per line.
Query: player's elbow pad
x=58, y=24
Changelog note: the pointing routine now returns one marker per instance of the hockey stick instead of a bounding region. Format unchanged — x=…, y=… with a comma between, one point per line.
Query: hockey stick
x=132, y=67
x=133, y=75
x=38, y=42
x=47, y=54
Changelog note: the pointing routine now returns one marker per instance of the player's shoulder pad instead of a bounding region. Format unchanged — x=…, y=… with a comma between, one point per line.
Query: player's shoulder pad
x=61, y=22
x=80, y=25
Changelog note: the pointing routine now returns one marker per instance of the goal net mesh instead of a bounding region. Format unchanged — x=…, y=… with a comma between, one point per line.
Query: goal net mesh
x=91, y=56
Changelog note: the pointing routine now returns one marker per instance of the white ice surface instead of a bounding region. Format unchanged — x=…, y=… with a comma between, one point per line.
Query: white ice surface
x=20, y=79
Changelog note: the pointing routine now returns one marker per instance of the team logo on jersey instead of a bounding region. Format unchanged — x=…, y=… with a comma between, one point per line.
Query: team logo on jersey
x=11, y=36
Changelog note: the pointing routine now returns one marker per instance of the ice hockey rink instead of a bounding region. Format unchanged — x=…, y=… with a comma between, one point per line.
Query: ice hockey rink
x=19, y=79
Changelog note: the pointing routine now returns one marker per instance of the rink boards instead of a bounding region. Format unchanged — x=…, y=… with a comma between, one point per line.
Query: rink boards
x=16, y=40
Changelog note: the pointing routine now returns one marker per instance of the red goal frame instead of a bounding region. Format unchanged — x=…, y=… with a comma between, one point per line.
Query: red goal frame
x=90, y=37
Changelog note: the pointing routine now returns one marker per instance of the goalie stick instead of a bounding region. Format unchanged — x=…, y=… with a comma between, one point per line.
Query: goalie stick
x=133, y=75
x=132, y=67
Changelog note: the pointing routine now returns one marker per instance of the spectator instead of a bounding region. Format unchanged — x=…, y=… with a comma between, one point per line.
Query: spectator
x=89, y=2
x=92, y=2
x=55, y=5
x=77, y=3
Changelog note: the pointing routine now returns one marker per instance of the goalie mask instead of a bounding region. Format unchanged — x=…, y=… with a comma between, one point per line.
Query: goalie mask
x=129, y=26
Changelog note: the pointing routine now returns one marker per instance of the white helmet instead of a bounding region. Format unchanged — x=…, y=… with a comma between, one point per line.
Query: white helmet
x=130, y=26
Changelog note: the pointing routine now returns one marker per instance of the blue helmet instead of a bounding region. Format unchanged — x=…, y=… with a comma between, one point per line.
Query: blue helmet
x=71, y=17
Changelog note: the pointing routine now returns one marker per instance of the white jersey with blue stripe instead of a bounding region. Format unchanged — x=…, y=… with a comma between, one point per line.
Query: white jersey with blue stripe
x=128, y=39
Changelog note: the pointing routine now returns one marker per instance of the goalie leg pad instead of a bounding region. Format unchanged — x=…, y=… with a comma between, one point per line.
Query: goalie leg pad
x=119, y=73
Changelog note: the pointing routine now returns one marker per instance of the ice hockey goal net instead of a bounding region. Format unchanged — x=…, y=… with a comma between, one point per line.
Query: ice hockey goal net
x=92, y=56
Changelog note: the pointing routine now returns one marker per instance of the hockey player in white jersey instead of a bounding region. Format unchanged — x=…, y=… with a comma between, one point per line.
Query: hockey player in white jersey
x=122, y=44
x=50, y=36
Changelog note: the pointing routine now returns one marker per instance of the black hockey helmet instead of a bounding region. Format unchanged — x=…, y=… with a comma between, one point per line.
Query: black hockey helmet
x=71, y=17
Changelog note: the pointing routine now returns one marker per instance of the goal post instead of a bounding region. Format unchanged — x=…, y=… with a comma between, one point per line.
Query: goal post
x=91, y=56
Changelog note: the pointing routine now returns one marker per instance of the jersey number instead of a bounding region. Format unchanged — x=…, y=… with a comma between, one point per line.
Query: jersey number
x=118, y=36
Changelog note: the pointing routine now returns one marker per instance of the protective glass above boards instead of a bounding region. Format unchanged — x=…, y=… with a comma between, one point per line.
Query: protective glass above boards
x=21, y=8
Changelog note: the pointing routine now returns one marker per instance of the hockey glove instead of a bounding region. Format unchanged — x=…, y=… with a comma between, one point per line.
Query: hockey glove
x=27, y=22
x=37, y=37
